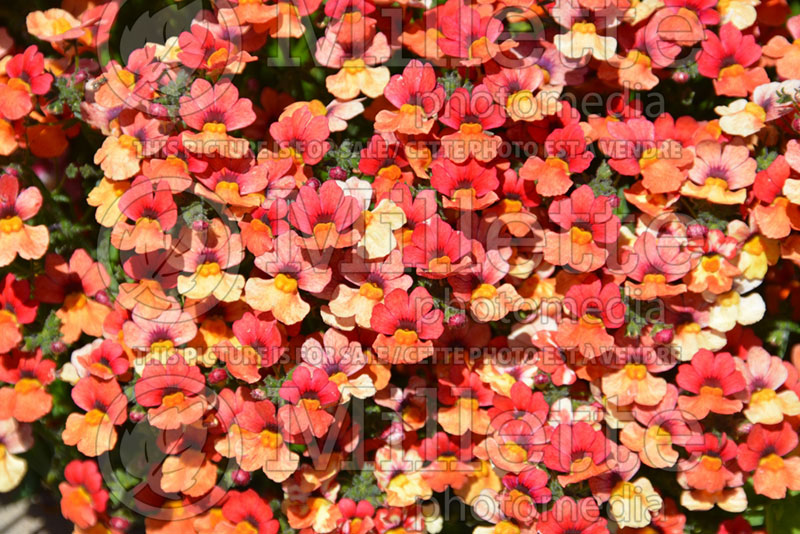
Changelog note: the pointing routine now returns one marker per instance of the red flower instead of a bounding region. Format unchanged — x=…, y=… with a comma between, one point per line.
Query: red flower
x=405, y=324
x=471, y=115
x=302, y=137
x=448, y=461
x=725, y=59
x=172, y=391
x=385, y=161
x=357, y=518
x=656, y=262
x=710, y=468
x=566, y=153
x=152, y=209
x=713, y=378
x=764, y=453
x=595, y=306
x=26, y=78
x=589, y=222
x=83, y=498
x=436, y=250
x=260, y=347
x=246, y=511
x=105, y=359
x=467, y=185
x=417, y=96
x=325, y=216
x=27, y=400
x=17, y=238
x=105, y=406
x=578, y=450
x=309, y=393
x=16, y=308
x=568, y=516
x=470, y=35
x=463, y=398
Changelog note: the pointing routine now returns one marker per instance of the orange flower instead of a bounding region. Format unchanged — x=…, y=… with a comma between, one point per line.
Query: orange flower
x=105, y=404
x=17, y=238
x=27, y=400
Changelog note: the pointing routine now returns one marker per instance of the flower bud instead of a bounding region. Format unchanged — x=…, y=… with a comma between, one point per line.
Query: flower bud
x=102, y=298
x=680, y=76
x=662, y=337
x=313, y=183
x=216, y=376
x=457, y=320
x=541, y=379
x=241, y=477
x=119, y=523
x=337, y=173
x=696, y=230
x=57, y=347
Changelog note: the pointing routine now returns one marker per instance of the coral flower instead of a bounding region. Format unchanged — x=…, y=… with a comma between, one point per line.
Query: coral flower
x=417, y=96
x=83, y=499
x=267, y=221
x=54, y=25
x=355, y=52
x=213, y=111
x=16, y=237
x=384, y=159
x=726, y=59
x=466, y=185
x=16, y=309
x=463, y=397
x=26, y=400
x=657, y=261
x=121, y=155
x=713, y=379
x=410, y=402
x=172, y=391
x=448, y=467
x=301, y=137
x=156, y=333
x=257, y=441
x=26, y=79
x=514, y=89
x=436, y=250
x=106, y=407
x=76, y=285
x=710, y=467
x=471, y=115
x=719, y=174
x=578, y=450
x=308, y=393
x=595, y=306
x=406, y=324
x=632, y=504
x=357, y=518
x=212, y=251
x=470, y=36
x=246, y=512
x=566, y=153
x=764, y=453
x=291, y=272
x=325, y=216
x=15, y=438
x=104, y=359
x=662, y=426
x=784, y=53
x=153, y=210
x=589, y=222
x=261, y=346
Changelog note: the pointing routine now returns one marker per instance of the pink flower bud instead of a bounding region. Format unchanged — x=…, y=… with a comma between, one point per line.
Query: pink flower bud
x=680, y=76
x=241, y=477
x=662, y=337
x=613, y=200
x=337, y=173
x=136, y=417
x=119, y=523
x=57, y=347
x=313, y=183
x=102, y=298
x=696, y=230
x=541, y=379
x=259, y=394
x=457, y=320
x=216, y=376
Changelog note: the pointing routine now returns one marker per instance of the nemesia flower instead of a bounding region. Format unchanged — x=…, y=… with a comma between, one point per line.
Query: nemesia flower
x=595, y=306
x=710, y=466
x=764, y=375
x=417, y=96
x=27, y=79
x=54, y=25
x=309, y=393
x=172, y=392
x=566, y=154
x=261, y=346
x=569, y=515
x=153, y=211
x=577, y=450
x=326, y=216
x=301, y=137
x=16, y=309
x=467, y=186
x=211, y=251
x=341, y=359
x=406, y=323
x=712, y=378
x=15, y=438
x=714, y=270
x=463, y=397
x=471, y=114
x=103, y=358
x=246, y=511
x=398, y=473
x=83, y=498
x=106, y=407
x=719, y=175
x=26, y=399
x=726, y=58
x=120, y=156
x=436, y=250
x=17, y=238
x=657, y=262
x=764, y=452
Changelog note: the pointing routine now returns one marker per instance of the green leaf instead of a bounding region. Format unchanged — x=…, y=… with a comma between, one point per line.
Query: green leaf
x=783, y=517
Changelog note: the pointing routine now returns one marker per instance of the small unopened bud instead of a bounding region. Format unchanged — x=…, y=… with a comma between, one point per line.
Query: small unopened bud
x=457, y=320
x=158, y=110
x=259, y=394
x=136, y=417
x=57, y=347
x=313, y=183
x=744, y=428
x=541, y=379
x=200, y=225
x=102, y=298
x=119, y=523
x=337, y=173
x=696, y=230
x=680, y=76
x=613, y=200
x=241, y=477
x=662, y=337
x=216, y=376
x=796, y=124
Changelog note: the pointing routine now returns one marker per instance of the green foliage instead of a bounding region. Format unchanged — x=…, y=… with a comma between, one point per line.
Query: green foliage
x=69, y=95
x=362, y=485
x=45, y=336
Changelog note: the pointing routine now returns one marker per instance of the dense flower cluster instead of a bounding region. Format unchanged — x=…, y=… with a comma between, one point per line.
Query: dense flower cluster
x=363, y=267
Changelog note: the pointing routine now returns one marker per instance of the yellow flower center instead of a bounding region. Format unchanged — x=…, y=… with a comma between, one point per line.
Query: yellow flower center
x=484, y=291
x=649, y=156
x=161, y=346
x=712, y=463
x=245, y=527
x=441, y=261
x=27, y=385
x=625, y=490
x=754, y=247
x=9, y=225
x=129, y=141
x=286, y=283
x=506, y=527
x=127, y=78
x=470, y=128
x=173, y=399
x=763, y=395
x=711, y=390
x=579, y=236
x=658, y=434
x=636, y=371
x=557, y=163
x=409, y=109
x=60, y=25
x=733, y=70
x=94, y=417
x=731, y=298
x=756, y=110
x=75, y=301
x=215, y=127
x=405, y=337
x=654, y=278
x=520, y=101
x=371, y=291
x=270, y=440
x=584, y=27
x=509, y=205
x=392, y=172
x=773, y=462
x=354, y=66
x=711, y=264
x=209, y=269
x=310, y=405
x=317, y=108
